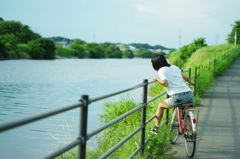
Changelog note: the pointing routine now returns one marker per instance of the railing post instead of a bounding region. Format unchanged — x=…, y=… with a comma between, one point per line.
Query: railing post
x=144, y=113
x=167, y=111
x=83, y=127
x=189, y=75
x=195, y=81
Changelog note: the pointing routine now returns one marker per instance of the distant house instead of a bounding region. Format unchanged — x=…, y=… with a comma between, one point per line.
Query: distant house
x=155, y=50
x=166, y=51
x=63, y=43
x=122, y=47
x=134, y=49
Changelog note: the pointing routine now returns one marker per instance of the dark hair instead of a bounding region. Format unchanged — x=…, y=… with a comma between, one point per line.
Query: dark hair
x=159, y=61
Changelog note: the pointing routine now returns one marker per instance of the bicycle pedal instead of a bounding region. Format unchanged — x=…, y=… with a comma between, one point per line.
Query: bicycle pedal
x=200, y=138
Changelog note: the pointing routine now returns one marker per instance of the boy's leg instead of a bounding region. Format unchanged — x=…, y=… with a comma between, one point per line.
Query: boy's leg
x=159, y=114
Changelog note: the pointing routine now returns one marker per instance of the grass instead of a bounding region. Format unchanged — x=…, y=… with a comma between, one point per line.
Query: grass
x=120, y=130
x=159, y=145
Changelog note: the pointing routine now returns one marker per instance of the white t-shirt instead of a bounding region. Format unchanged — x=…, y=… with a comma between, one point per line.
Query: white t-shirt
x=176, y=83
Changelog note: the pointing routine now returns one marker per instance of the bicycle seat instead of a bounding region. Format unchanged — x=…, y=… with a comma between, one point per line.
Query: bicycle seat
x=187, y=104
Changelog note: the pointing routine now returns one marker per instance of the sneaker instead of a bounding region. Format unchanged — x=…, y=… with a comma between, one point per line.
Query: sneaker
x=154, y=130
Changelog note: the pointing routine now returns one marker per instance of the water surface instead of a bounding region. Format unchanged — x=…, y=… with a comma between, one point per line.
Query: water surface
x=31, y=86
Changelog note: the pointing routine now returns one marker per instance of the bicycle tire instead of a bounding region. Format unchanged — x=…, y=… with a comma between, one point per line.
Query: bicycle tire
x=174, y=127
x=190, y=138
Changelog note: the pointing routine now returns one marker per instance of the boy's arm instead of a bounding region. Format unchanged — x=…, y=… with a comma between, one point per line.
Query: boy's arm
x=188, y=80
x=162, y=82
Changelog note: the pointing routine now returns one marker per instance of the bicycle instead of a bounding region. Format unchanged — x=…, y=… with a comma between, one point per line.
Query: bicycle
x=184, y=123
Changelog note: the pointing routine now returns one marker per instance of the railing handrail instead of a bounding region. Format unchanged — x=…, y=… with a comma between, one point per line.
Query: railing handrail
x=25, y=120
x=83, y=104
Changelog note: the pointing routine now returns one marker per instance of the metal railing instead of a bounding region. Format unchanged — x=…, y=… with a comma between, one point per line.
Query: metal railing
x=84, y=103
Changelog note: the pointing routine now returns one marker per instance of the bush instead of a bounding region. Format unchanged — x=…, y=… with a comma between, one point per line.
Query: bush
x=159, y=146
x=22, y=48
x=128, y=53
x=113, y=52
x=67, y=52
x=95, y=51
x=188, y=50
x=3, y=50
x=79, y=50
x=42, y=48
x=145, y=53
x=174, y=59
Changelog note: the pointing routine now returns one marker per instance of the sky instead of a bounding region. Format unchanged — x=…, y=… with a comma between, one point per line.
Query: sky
x=170, y=23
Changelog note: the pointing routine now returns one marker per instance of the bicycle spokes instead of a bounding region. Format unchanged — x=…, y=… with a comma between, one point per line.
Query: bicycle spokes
x=174, y=127
x=190, y=138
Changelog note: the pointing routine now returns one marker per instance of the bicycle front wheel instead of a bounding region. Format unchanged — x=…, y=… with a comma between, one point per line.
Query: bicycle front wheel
x=174, y=127
x=190, y=138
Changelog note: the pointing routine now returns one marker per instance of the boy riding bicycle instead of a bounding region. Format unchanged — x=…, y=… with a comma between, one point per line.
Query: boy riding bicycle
x=172, y=78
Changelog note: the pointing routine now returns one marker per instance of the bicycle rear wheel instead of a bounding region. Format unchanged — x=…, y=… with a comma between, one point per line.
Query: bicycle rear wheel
x=174, y=127
x=190, y=138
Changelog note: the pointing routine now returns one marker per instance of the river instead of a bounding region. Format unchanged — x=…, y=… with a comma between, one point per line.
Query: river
x=31, y=86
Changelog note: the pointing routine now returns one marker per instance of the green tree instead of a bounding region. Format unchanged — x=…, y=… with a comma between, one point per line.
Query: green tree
x=8, y=46
x=10, y=40
x=1, y=19
x=95, y=51
x=42, y=48
x=188, y=50
x=141, y=46
x=145, y=53
x=160, y=47
x=106, y=45
x=79, y=41
x=80, y=51
x=3, y=50
x=200, y=42
x=235, y=30
x=128, y=53
x=113, y=52
x=22, y=32
x=26, y=34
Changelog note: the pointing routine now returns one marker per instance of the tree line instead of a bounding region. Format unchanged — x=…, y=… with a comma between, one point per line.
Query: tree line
x=81, y=49
x=19, y=41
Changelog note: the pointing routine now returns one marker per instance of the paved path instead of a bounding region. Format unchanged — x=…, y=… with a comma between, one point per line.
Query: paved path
x=219, y=119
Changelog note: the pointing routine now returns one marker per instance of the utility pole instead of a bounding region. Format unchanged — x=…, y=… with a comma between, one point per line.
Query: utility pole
x=217, y=39
x=179, y=38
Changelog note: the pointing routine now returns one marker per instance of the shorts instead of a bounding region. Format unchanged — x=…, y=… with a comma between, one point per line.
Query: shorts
x=180, y=98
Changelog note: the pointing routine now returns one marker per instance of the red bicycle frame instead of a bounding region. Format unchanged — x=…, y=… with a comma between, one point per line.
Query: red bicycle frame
x=180, y=123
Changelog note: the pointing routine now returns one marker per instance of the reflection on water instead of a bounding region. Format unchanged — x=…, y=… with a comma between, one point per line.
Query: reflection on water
x=28, y=87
